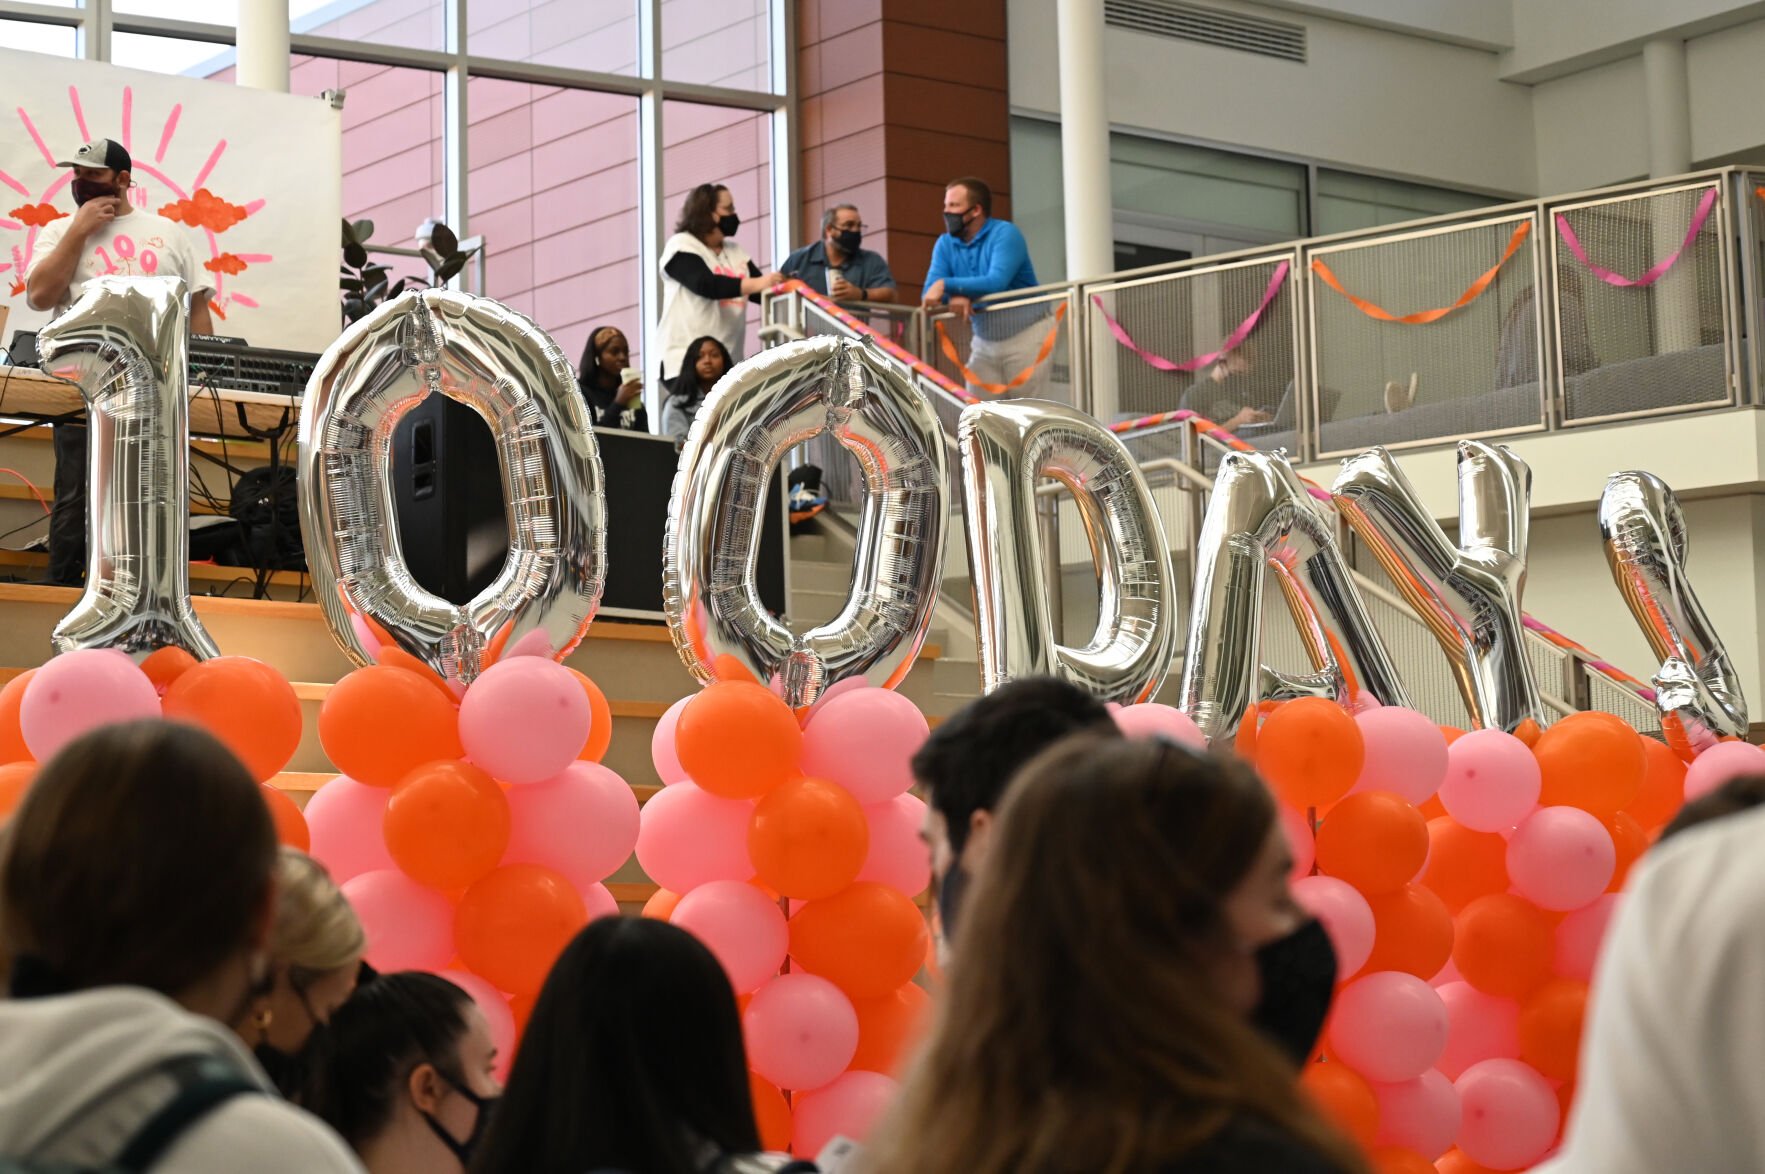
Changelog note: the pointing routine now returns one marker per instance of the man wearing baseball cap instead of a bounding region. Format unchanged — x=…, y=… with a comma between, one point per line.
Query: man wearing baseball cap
x=106, y=235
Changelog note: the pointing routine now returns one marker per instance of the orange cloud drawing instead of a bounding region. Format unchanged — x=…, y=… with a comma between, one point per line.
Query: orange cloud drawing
x=204, y=210
x=36, y=215
x=226, y=263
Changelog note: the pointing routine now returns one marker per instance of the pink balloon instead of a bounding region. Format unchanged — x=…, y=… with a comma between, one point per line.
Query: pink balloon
x=1149, y=719
x=801, y=1031
x=741, y=925
x=1492, y=781
x=1301, y=841
x=1579, y=936
x=1448, y=973
x=409, y=926
x=1347, y=918
x=1482, y=1027
x=849, y=1107
x=1406, y=753
x=77, y=692
x=495, y=1007
x=1510, y=1114
x=1707, y=772
x=662, y=754
x=344, y=817
x=599, y=901
x=582, y=822
x=863, y=740
x=524, y=719
x=838, y=688
x=1561, y=858
x=688, y=837
x=898, y=857
x=1389, y=1026
x=1420, y=1114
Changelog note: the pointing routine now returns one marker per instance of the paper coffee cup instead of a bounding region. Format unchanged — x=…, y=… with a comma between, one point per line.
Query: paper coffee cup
x=629, y=375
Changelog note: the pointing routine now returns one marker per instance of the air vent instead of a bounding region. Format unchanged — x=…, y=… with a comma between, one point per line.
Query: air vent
x=1208, y=26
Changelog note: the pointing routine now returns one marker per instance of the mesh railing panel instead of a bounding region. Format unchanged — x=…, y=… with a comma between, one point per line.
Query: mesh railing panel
x=1626, y=350
x=1609, y=696
x=1474, y=371
x=1550, y=667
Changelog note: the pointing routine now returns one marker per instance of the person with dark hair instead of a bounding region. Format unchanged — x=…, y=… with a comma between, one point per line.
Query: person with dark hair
x=965, y=765
x=610, y=384
x=705, y=276
x=411, y=1081
x=704, y=364
x=136, y=902
x=633, y=1061
x=1731, y=798
x=977, y=256
x=838, y=264
x=1110, y=966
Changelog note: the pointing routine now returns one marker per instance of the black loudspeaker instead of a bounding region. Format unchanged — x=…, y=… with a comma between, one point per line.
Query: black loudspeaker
x=448, y=494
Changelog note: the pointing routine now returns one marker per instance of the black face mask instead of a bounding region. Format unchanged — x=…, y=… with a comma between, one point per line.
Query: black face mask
x=1298, y=975
x=288, y=1071
x=728, y=224
x=849, y=239
x=91, y=189
x=463, y=1150
x=955, y=222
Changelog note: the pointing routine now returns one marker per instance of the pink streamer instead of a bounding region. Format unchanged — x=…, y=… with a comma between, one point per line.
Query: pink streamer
x=73, y=96
x=1232, y=340
x=167, y=131
x=1705, y=206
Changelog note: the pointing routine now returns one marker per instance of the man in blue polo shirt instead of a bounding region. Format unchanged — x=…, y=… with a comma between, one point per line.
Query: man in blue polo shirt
x=838, y=265
x=977, y=256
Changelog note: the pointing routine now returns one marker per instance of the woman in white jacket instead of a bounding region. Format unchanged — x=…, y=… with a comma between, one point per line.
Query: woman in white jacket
x=706, y=275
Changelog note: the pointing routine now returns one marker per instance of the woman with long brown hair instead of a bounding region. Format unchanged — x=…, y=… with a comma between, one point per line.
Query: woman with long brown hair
x=1099, y=1016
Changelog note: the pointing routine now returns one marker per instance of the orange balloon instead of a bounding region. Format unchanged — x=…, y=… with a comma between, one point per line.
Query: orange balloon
x=1630, y=841
x=1432, y=808
x=12, y=739
x=1454, y=1161
x=15, y=780
x=1391, y=1160
x=661, y=904
x=395, y=657
x=1550, y=1028
x=290, y=822
x=1412, y=932
x=808, y=839
x=1565, y=1103
x=1375, y=841
x=380, y=723
x=245, y=703
x=447, y=824
x=522, y=1008
x=1657, y=801
x=772, y=1113
x=1464, y=865
x=889, y=1027
x=1244, y=742
x=1345, y=1099
x=512, y=925
x=600, y=723
x=737, y=740
x=165, y=665
x=1504, y=945
x=868, y=940
x=1592, y=761
x=1310, y=751
x=1451, y=733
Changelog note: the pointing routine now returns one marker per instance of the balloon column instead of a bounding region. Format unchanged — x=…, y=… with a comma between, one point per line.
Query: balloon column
x=790, y=846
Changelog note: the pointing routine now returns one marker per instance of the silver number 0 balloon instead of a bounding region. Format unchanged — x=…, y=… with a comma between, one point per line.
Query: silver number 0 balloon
x=125, y=342
x=756, y=413
x=1697, y=689
x=499, y=363
x=1006, y=450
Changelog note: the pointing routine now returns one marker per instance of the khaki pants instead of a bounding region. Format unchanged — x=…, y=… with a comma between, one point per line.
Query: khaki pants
x=999, y=361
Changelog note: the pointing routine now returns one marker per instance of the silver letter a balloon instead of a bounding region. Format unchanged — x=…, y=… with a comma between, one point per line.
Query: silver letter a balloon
x=125, y=343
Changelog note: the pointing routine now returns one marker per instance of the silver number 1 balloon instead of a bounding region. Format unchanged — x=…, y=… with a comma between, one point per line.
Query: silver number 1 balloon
x=125, y=342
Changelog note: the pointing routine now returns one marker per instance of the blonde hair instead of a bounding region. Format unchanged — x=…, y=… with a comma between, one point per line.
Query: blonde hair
x=316, y=931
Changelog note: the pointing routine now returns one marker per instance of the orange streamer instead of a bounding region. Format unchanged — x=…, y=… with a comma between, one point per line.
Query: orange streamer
x=1018, y=380
x=1420, y=317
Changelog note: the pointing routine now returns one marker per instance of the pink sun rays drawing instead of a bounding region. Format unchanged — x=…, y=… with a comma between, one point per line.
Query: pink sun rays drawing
x=191, y=204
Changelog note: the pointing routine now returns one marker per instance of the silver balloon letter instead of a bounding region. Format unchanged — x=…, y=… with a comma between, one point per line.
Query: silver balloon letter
x=1469, y=595
x=1697, y=689
x=125, y=342
x=509, y=371
x=1260, y=517
x=757, y=412
x=1006, y=450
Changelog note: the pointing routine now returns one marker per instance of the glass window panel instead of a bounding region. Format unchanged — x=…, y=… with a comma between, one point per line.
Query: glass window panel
x=32, y=37
x=554, y=192
x=207, y=11
x=413, y=24
x=600, y=35
x=172, y=55
x=1205, y=186
x=1347, y=201
x=1036, y=203
x=717, y=43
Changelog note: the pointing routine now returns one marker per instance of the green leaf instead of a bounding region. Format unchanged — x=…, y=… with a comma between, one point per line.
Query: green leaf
x=348, y=234
x=374, y=272
x=376, y=293
x=355, y=255
x=364, y=230
x=354, y=308
x=444, y=240
x=399, y=288
x=450, y=267
x=350, y=285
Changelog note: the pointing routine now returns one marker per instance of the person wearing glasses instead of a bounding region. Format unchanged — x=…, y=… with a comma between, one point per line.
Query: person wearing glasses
x=838, y=265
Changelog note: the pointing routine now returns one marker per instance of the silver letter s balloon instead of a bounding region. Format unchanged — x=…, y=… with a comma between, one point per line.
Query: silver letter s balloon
x=756, y=414
x=1260, y=517
x=125, y=342
x=500, y=364
x=1469, y=595
x=1007, y=449
x=1697, y=689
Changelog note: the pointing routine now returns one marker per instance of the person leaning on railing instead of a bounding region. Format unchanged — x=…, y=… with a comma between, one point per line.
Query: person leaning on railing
x=978, y=256
x=838, y=265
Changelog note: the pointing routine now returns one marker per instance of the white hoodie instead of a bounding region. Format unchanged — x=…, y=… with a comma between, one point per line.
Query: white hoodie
x=72, y=1089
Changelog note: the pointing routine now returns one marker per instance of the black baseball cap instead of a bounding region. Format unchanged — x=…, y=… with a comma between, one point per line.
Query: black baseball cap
x=101, y=153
